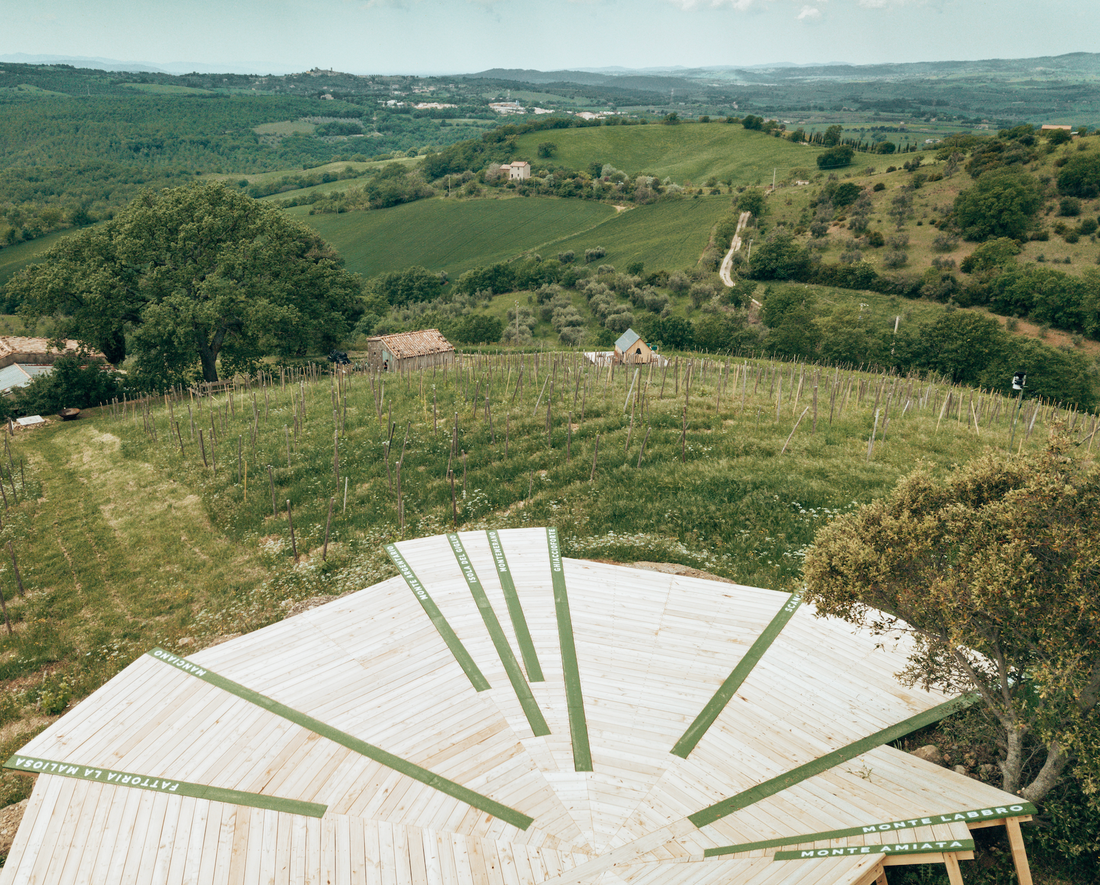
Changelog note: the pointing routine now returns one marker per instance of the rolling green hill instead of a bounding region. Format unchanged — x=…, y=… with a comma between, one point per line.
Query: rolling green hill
x=454, y=235
x=685, y=153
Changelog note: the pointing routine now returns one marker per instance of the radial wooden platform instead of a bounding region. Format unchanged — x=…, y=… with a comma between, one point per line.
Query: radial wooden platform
x=498, y=715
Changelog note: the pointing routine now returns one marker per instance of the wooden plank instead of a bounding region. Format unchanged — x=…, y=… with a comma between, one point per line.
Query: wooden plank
x=483, y=803
x=515, y=608
x=500, y=642
x=144, y=782
x=75, y=833
x=446, y=632
x=123, y=838
x=837, y=757
x=1019, y=851
x=161, y=838
x=578, y=725
x=357, y=852
x=185, y=865
x=414, y=849
x=342, y=827
x=386, y=854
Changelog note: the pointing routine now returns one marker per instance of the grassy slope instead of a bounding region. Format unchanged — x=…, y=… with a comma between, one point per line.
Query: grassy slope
x=125, y=543
x=14, y=258
x=455, y=235
x=689, y=152
x=452, y=235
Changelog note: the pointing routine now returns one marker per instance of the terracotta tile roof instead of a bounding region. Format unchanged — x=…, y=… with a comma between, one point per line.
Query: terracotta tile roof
x=19, y=344
x=407, y=344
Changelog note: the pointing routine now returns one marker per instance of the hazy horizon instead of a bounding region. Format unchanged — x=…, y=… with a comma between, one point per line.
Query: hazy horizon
x=433, y=37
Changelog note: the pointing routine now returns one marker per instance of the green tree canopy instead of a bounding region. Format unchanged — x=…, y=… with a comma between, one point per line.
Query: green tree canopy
x=991, y=256
x=194, y=276
x=782, y=257
x=1001, y=203
x=958, y=344
x=835, y=157
x=751, y=201
x=994, y=571
x=1080, y=177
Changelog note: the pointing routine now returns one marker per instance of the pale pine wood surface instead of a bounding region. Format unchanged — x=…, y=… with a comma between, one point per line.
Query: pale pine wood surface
x=651, y=650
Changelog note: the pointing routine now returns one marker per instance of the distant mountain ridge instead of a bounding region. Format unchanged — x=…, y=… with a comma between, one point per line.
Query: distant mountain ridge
x=173, y=68
x=1076, y=65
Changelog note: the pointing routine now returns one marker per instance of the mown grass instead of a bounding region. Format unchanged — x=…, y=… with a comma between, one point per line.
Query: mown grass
x=688, y=152
x=166, y=89
x=454, y=235
x=668, y=235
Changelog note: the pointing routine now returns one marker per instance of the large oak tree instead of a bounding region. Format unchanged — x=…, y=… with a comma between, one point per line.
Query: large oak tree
x=194, y=276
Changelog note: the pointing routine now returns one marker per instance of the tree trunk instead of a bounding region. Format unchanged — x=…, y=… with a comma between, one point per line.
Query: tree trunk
x=1014, y=758
x=208, y=352
x=113, y=346
x=1049, y=775
x=209, y=359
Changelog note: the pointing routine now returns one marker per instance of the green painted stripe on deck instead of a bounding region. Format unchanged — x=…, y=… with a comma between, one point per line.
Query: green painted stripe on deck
x=423, y=775
x=515, y=610
x=500, y=641
x=738, y=675
x=829, y=760
x=975, y=814
x=574, y=697
x=946, y=845
x=169, y=786
x=465, y=660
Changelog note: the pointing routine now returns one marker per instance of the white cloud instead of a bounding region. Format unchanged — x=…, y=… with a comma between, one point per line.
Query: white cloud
x=809, y=13
x=739, y=5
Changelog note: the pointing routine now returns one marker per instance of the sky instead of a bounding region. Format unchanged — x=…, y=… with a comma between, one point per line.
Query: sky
x=466, y=36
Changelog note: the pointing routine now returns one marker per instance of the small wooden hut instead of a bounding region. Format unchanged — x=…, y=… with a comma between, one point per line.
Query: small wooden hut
x=631, y=349
x=404, y=351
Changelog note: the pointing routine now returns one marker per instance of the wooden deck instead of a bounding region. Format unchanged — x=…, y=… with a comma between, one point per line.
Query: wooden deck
x=497, y=715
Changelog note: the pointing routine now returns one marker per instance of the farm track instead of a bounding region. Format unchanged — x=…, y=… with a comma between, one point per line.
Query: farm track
x=118, y=543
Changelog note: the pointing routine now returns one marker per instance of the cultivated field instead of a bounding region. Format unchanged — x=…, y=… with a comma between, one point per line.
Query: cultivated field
x=686, y=153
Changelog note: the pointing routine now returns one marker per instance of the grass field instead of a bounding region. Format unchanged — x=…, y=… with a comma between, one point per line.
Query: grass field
x=285, y=127
x=454, y=235
x=14, y=258
x=166, y=89
x=688, y=152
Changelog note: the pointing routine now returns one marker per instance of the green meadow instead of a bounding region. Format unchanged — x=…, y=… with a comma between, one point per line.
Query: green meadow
x=687, y=153
x=14, y=258
x=456, y=235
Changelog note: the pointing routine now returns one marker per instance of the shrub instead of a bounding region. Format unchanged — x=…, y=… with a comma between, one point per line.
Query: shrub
x=835, y=157
x=1069, y=207
x=944, y=242
x=1080, y=177
x=75, y=382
